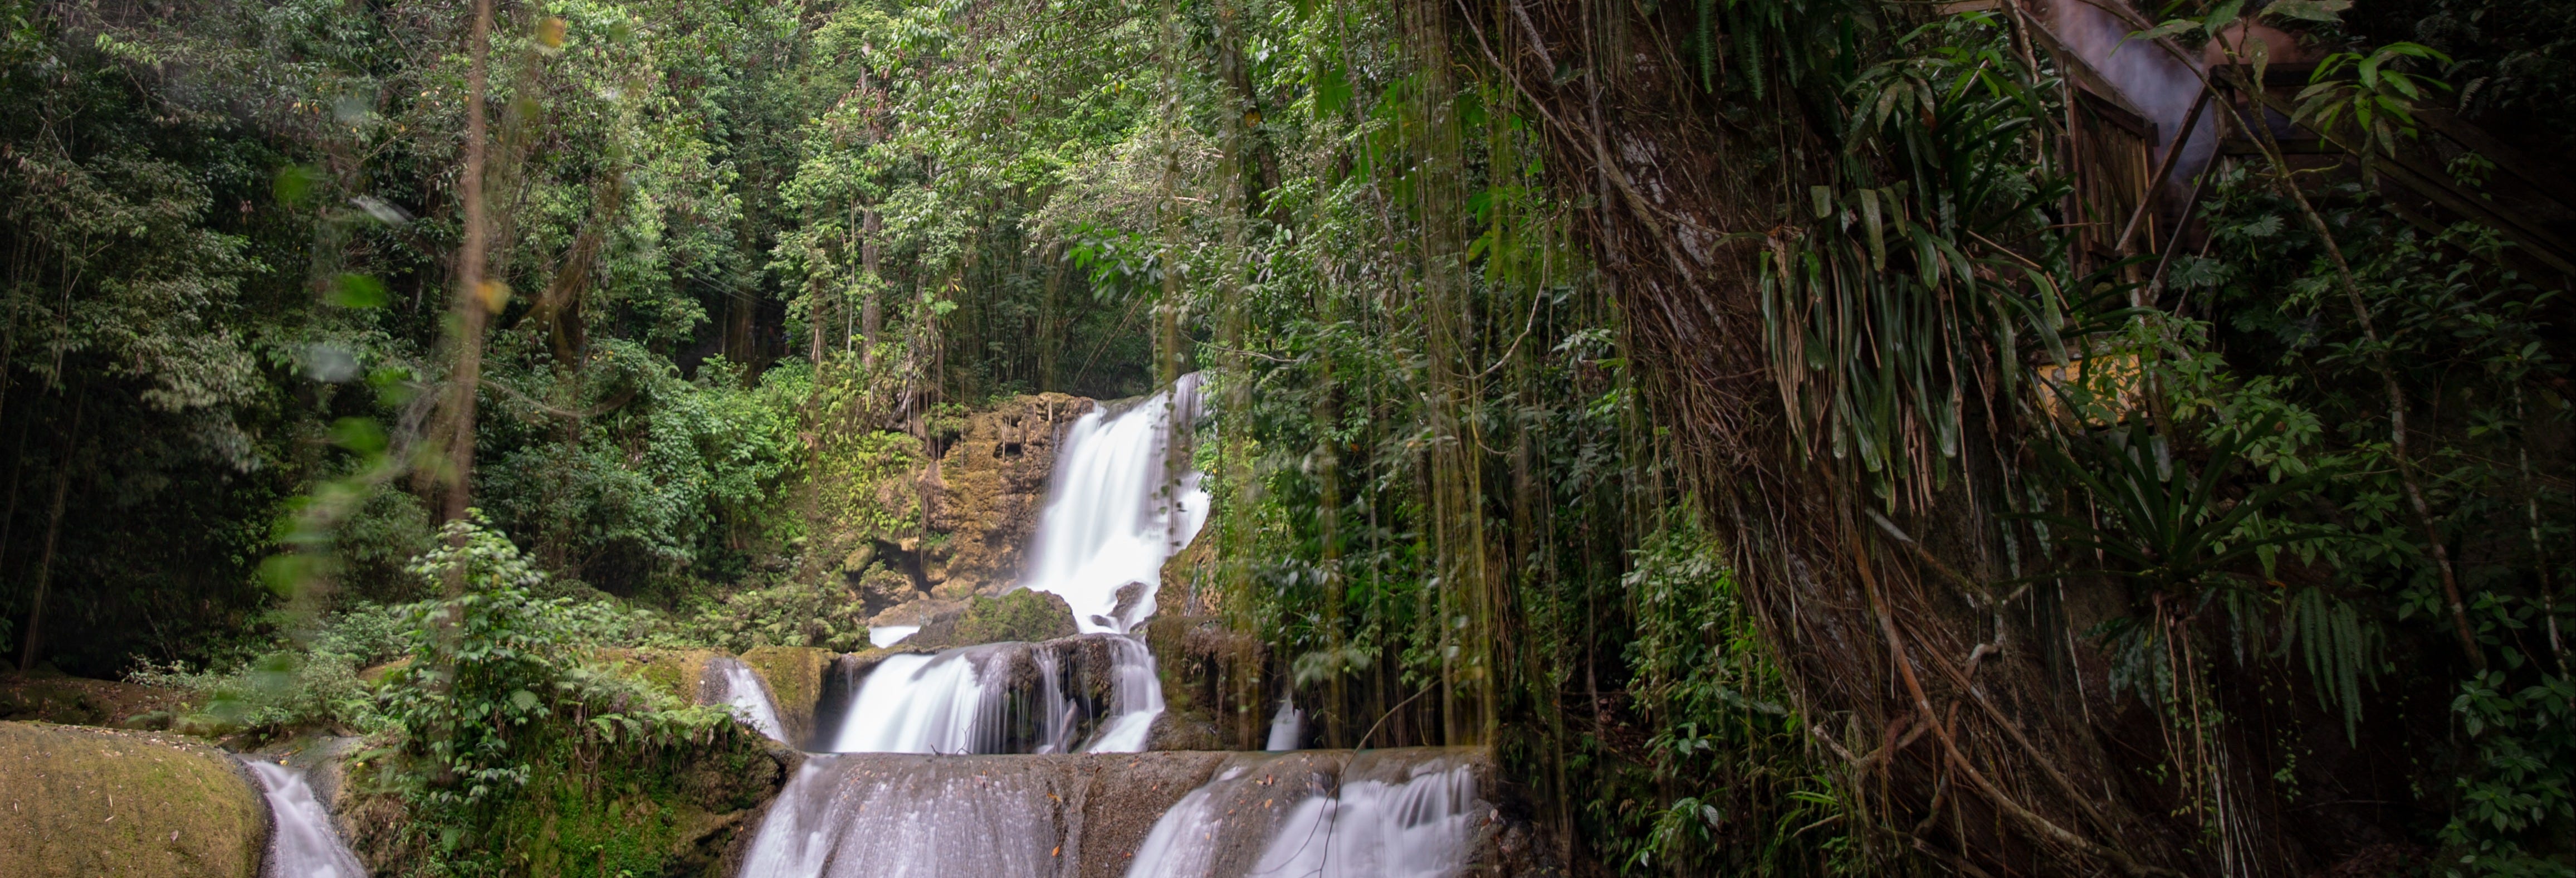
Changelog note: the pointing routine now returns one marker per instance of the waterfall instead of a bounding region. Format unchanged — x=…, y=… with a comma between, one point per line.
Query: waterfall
x=302, y=843
x=872, y=817
x=1287, y=727
x=747, y=695
x=945, y=703
x=1116, y=510
x=1002, y=698
x=1136, y=699
x=1118, y=507
x=1322, y=814
x=1186, y=841
x=1416, y=828
x=882, y=636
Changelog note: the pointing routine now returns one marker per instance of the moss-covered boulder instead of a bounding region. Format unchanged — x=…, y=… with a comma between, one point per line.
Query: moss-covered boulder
x=87, y=802
x=1023, y=616
x=795, y=678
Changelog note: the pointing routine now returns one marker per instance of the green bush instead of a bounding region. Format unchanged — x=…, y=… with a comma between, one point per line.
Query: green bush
x=500, y=692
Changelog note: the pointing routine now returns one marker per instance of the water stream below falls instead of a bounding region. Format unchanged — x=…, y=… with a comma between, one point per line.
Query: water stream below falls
x=301, y=842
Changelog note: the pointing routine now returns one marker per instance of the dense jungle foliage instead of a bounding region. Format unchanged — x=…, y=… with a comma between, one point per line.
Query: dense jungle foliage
x=1688, y=400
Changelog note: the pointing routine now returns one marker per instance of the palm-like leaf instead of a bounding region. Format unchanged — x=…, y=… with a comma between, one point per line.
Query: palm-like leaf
x=2165, y=526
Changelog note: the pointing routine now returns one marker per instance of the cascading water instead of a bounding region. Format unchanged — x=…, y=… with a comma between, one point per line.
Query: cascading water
x=1003, y=698
x=1136, y=699
x=1117, y=508
x=1418, y=827
x=866, y=817
x=302, y=844
x=1186, y=841
x=747, y=695
x=945, y=703
x=1287, y=727
x=1322, y=814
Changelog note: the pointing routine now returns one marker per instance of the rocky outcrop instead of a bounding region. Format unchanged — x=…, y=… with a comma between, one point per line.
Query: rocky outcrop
x=991, y=487
x=674, y=671
x=87, y=802
x=909, y=532
x=1213, y=692
x=795, y=678
x=1021, y=615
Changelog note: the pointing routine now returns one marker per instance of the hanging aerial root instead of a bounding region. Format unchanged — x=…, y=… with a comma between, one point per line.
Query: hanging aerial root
x=1958, y=759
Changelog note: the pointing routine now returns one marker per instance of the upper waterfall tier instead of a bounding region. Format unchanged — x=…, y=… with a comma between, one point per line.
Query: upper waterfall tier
x=1118, y=505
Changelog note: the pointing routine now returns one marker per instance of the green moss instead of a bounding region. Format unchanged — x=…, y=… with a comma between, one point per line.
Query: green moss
x=673, y=671
x=795, y=678
x=1021, y=615
x=85, y=802
x=598, y=829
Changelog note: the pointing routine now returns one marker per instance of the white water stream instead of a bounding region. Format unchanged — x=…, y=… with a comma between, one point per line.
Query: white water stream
x=1391, y=814
x=927, y=704
x=1287, y=727
x=748, y=696
x=863, y=817
x=1117, y=508
x=1418, y=827
x=302, y=843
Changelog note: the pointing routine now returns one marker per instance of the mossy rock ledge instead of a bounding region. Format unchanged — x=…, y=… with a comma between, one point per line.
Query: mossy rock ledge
x=86, y=802
x=795, y=678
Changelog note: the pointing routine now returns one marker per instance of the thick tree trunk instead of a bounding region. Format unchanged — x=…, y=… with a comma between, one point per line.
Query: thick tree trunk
x=1682, y=204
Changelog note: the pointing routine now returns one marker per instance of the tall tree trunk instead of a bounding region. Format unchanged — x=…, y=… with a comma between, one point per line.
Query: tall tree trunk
x=475, y=296
x=871, y=254
x=53, y=532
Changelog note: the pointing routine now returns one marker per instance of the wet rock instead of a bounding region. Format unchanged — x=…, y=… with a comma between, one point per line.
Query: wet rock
x=881, y=588
x=83, y=802
x=1026, y=616
x=1078, y=815
x=1094, y=816
x=992, y=486
x=1213, y=688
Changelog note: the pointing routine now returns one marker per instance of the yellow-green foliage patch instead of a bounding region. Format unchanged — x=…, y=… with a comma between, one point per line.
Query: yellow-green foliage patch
x=87, y=802
x=673, y=671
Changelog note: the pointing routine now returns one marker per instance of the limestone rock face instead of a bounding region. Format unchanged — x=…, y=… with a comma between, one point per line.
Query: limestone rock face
x=992, y=482
x=89, y=802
